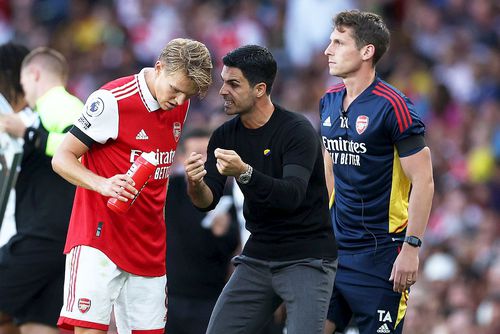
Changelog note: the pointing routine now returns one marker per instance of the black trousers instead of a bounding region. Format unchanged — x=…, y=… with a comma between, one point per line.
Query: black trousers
x=32, y=280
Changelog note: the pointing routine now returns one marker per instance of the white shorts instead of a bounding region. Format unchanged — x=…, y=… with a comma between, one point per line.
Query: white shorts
x=94, y=285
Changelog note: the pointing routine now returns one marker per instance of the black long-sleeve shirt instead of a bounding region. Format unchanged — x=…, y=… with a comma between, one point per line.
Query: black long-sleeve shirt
x=286, y=200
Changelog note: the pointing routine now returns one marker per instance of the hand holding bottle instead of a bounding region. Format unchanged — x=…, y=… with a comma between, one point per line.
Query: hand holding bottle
x=140, y=172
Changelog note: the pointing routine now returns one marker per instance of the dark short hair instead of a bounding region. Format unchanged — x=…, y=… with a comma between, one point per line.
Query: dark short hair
x=255, y=62
x=367, y=28
x=11, y=57
x=193, y=133
x=196, y=133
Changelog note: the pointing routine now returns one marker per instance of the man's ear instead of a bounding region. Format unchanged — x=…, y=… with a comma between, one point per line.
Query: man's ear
x=261, y=89
x=367, y=52
x=158, y=67
x=36, y=72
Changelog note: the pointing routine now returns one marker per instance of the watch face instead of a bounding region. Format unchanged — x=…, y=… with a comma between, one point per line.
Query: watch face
x=244, y=179
x=413, y=241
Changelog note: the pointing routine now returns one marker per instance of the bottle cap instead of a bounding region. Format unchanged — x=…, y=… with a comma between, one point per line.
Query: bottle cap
x=150, y=157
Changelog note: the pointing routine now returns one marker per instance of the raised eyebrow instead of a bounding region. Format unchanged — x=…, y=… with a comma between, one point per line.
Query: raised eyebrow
x=229, y=80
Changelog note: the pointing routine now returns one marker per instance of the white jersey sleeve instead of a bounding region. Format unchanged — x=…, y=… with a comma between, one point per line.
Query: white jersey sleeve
x=99, y=119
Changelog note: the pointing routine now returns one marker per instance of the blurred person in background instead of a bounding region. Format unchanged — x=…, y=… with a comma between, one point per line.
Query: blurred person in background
x=32, y=263
x=118, y=260
x=200, y=246
x=376, y=153
x=11, y=101
x=275, y=157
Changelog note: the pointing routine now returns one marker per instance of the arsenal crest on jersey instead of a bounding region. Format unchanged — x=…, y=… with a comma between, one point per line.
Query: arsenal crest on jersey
x=84, y=304
x=177, y=131
x=361, y=124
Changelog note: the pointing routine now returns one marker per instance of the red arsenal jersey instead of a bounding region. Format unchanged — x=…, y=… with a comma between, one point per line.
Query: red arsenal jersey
x=119, y=122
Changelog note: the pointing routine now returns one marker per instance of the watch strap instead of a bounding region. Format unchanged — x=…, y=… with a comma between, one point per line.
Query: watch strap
x=413, y=241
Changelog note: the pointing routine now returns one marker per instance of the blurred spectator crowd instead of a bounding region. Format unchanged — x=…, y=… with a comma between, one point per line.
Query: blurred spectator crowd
x=444, y=55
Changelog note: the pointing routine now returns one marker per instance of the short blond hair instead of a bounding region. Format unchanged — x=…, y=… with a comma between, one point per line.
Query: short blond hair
x=51, y=60
x=191, y=57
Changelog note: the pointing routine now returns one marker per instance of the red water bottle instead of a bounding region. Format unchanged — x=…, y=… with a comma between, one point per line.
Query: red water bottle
x=140, y=171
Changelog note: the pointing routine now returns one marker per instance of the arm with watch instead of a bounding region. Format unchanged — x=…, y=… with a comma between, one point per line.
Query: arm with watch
x=285, y=193
x=418, y=169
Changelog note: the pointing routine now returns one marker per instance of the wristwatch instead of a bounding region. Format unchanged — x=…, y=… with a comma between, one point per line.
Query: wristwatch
x=245, y=177
x=413, y=241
